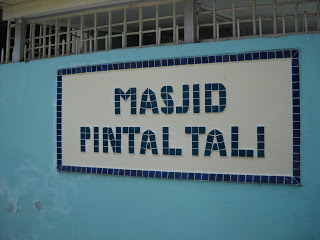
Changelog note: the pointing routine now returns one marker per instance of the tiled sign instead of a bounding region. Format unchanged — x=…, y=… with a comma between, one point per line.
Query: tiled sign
x=233, y=118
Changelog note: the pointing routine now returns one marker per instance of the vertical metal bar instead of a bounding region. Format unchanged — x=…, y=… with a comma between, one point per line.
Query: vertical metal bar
x=198, y=33
x=233, y=19
x=95, y=32
x=214, y=19
x=140, y=27
x=90, y=44
x=238, y=28
x=32, y=40
x=274, y=16
x=106, y=42
x=77, y=46
x=296, y=26
x=177, y=34
x=44, y=39
x=8, y=41
x=157, y=24
x=283, y=25
x=68, y=37
x=190, y=21
x=40, y=41
x=63, y=46
x=56, y=39
x=49, y=52
x=123, y=39
x=318, y=15
x=305, y=21
x=254, y=23
x=2, y=55
x=218, y=31
x=81, y=34
x=174, y=21
x=20, y=40
x=110, y=30
x=50, y=33
x=25, y=53
x=159, y=37
x=124, y=36
x=260, y=27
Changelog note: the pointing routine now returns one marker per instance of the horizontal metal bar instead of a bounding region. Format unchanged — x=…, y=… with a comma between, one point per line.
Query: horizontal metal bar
x=257, y=36
x=107, y=9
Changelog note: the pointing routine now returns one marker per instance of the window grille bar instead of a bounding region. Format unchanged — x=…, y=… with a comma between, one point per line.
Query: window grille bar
x=274, y=16
x=8, y=41
x=33, y=42
x=95, y=42
x=296, y=16
x=68, y=37
x=283, y=26
x=124, y=37
x=56, y=38
x=174, y=21
x=214, y=19
x=44, y=39
x=157, y=25
x=110, y=30
x=305, y=22
x=254, y=26
x=81, y=35
x=318, y=15
x=233, y=19
x=2, y=55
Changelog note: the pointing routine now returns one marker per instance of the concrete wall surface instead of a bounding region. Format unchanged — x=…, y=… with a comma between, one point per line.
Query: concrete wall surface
x=37, y=202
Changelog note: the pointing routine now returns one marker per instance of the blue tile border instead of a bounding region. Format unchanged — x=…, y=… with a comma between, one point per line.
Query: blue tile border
x=247, y=56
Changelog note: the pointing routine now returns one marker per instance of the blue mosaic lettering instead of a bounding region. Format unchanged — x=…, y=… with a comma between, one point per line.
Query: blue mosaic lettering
x=148, y=104
x=260, y=141
x=167, y=99
x=84, y=135
x=235, y=151
x=195, y=131
x=196, y=98
x=209, y=87
x=148, y=141
x=185, y=100
x=131, y=131
x=115, y=141
x=215, y=146
x=96, y=139
x=130, y=93
x=166, y=149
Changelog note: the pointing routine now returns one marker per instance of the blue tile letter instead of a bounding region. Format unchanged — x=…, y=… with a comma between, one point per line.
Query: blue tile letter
x=235, y=151
x=195, y=131
x=185, y=100
x=131, y=131
x=96, y=139
x=209, y=87
x=132, y=92
x=260, y=141
x=115, y=141
x=84, y=135
x=167, y=99
x=148, y=104
x=148, y=141
x=166, y=149
x=215, y=146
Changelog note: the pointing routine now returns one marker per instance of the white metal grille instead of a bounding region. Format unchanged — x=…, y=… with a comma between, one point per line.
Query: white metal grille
x=161, y=23
x=231, y=19
x=134, y=26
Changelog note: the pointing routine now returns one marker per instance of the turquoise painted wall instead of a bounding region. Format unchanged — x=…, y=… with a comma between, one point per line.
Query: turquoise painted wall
x=80, y=206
